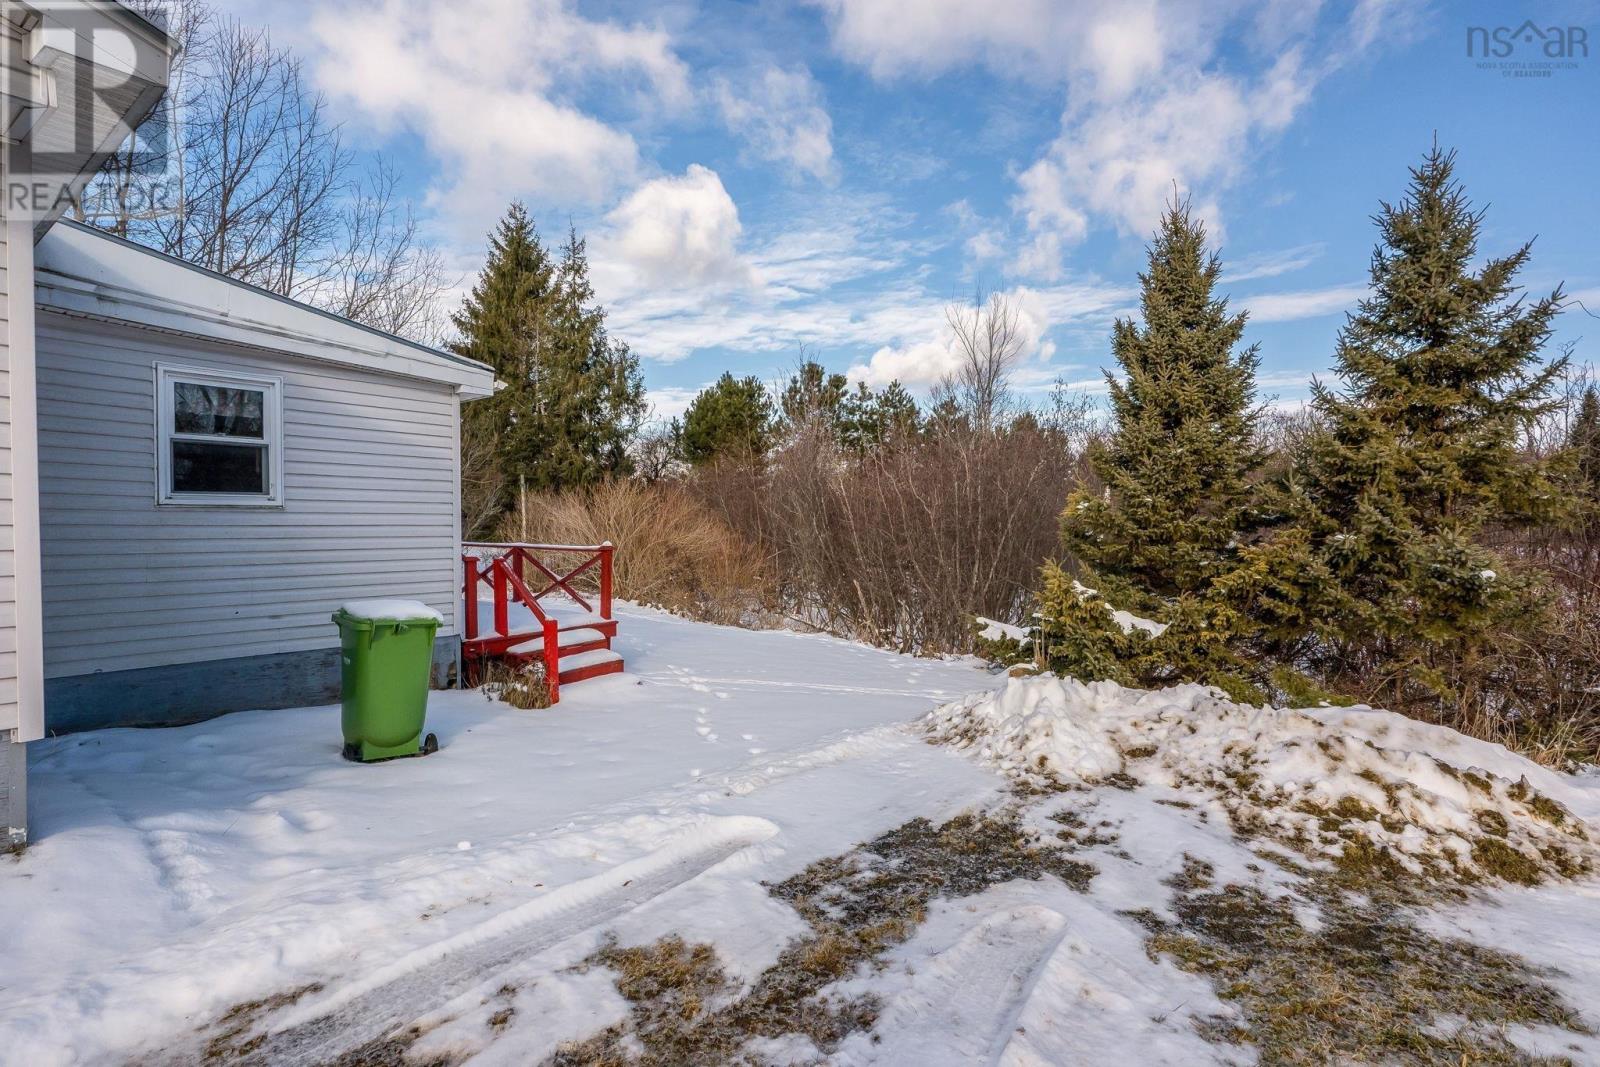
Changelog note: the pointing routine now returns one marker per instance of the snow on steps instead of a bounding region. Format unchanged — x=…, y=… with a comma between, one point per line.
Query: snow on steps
x=588, y=637
x=583, y=642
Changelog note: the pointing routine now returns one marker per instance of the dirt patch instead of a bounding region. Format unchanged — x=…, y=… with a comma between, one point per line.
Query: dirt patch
x=1359, y=983
x=684, y=1008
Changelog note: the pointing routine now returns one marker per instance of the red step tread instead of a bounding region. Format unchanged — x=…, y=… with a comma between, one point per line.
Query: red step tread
x=591, y=664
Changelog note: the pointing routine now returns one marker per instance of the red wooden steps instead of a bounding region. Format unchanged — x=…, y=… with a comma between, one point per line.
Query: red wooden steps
x=591, y=664
x=584, y=651
x=579, y=629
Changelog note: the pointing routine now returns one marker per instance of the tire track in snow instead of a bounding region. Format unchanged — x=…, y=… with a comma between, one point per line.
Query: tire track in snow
x=391, y=997
x=961, y=1006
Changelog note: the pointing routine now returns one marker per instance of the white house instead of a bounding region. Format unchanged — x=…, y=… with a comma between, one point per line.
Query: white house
x=193, y=472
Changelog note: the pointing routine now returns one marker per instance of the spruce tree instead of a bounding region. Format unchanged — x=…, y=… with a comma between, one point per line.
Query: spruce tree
x=731, y=418
x=1177, y=497
x=517, y=277
x=1177, y=466
x=571, y=396
x=1583, y=441
x=1418, y=452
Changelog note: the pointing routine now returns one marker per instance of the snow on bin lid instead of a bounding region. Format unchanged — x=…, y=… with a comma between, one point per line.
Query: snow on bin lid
x=397, y=610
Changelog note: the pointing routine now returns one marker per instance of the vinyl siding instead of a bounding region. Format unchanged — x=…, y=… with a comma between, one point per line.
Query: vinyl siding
x=8, y=554
x=369, y=506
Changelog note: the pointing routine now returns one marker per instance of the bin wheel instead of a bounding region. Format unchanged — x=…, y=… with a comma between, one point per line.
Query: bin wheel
x=430, y=744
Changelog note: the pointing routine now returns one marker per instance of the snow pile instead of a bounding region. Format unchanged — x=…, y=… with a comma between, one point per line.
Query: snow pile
x=1338, y=783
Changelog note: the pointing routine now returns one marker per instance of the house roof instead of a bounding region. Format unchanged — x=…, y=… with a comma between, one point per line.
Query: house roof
x=84, y=271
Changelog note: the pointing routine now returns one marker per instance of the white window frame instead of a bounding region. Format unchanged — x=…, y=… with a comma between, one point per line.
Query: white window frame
x=167, y=377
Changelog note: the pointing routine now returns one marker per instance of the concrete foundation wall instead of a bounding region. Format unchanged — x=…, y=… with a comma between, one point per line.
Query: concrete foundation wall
x=190, y=692
x=13, y=794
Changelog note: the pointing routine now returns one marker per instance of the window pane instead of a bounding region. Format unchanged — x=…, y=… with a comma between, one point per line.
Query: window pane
x=203, y=467
x=218, y=409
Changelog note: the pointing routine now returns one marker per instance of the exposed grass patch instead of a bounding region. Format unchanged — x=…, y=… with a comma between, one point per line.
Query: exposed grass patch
x=523, y=687
x=237, y=1036
x=501, y=1017
x=391, y=1051
x=685, y=1009
x=1501, y=860
x=1364, y=984
x=1076, y=833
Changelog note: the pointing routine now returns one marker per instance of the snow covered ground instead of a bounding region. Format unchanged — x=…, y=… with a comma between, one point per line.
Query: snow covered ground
x=178, y=874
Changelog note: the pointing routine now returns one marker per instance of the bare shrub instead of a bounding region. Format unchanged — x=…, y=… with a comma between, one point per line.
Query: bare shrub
x=903, y=546
x=672, y=551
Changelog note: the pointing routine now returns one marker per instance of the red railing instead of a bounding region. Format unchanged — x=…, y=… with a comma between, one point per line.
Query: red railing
x=507, y=569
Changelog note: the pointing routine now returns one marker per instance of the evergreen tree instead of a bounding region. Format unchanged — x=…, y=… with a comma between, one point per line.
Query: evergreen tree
x=571, y=396
x=1583, y=441
x=733, y=417
x=870, y=420
x=1177, y=473
x=1177, y=466
x=1441, y=373
x=813, y=393
x=517, y=277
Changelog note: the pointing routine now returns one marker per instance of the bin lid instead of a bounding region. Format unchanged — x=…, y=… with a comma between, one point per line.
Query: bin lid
x=390, y=610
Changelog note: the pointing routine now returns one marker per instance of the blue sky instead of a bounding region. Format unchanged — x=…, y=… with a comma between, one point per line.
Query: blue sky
x=754, y=177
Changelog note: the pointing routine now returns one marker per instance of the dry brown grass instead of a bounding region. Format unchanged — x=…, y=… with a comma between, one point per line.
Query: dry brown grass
x=685, y=1009
x=672, y=551
x=1364, y=984
x=521, y=687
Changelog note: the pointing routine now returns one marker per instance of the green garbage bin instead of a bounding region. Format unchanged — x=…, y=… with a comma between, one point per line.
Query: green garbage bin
x=386, y=656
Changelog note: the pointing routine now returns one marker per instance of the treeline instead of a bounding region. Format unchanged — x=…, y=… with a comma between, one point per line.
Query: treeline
x=1425, y=535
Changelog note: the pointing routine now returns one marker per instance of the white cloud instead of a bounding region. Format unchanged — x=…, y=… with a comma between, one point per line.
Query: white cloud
x=675, y=232
x=1030, y=38
x=490, y=86
x=1305, y=304
x=1189, y=134
x=669, y=402
x=1271, y=264
x=1151, y=105
x=780, y=114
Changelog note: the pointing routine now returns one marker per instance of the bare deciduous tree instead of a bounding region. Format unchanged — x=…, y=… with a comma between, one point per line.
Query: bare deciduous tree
x=265, y=189
x=483, y=483
x=380, y=273
x=262, y=169
x=988, y=342
x=655, y=454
